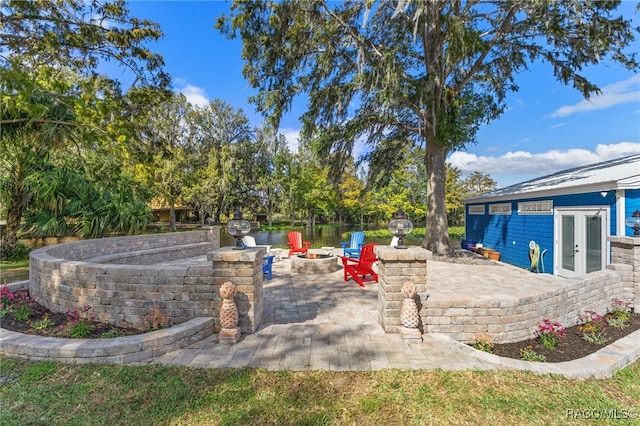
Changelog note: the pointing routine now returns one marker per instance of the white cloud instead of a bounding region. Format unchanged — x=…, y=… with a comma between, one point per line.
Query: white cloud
x=360, y=147
x=520, y=163
x=195, y=95
x=293, y=138
x=619, y=93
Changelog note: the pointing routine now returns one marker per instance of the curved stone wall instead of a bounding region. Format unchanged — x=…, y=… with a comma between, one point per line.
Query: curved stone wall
x=118, y=350
x=463, y=309
x=125, y=279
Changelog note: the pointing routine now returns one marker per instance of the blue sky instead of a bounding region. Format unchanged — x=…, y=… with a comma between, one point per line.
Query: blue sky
x=547, y=126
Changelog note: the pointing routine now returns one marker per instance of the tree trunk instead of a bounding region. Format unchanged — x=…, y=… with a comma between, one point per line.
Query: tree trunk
x=10, y=235
x=172, y=216
x=436, y=238
x=270, y=212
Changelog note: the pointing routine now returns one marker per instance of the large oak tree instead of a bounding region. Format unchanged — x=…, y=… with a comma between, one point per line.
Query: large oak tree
x=422, y=73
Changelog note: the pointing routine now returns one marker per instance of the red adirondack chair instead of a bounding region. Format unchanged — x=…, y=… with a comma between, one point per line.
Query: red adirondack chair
x=296, y=245
x=360, y=268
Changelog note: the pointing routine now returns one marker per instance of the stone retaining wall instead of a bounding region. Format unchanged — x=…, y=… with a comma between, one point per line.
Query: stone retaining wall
x=71, y=275
x=119, y=350
x=504, y=319
x=513, y=320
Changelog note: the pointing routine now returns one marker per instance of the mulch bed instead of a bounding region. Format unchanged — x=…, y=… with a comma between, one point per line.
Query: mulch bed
x=571, y=347
x=58, y=319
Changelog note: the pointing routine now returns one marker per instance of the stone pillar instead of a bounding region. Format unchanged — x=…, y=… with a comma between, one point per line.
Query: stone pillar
x=626, y=251
x=243, y=268
x=395, y=267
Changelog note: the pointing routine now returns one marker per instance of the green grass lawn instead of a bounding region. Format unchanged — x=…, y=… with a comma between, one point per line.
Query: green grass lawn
x=14, y=271
x=46, y=392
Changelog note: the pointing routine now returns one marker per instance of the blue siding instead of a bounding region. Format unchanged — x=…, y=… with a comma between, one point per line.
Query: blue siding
x=510, y=234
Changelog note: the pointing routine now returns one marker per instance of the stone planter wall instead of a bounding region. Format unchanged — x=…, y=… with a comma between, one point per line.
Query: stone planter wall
x=120, y=350
x=122, y=278
x=504, y=319
x=515, y=319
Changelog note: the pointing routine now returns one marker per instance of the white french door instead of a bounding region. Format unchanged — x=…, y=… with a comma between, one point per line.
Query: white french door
x=581, y=241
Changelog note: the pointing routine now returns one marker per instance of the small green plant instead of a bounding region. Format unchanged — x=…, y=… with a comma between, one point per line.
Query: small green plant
x=596, y=337
x=42, y=324
x=620, y=314
x=111, y=334
x=483, y=343
x=550, y=333
x=79, y=323
x=22, y=311
x=617, y=323
x=528, y=354
x=156, y=319
x=593, y=327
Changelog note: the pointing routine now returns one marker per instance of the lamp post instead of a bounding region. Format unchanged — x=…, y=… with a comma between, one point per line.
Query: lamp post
x=400, y=226
x=238, y=228
x=633, y=222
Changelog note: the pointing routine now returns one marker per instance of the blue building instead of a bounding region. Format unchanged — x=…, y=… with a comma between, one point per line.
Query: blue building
x=562, y=219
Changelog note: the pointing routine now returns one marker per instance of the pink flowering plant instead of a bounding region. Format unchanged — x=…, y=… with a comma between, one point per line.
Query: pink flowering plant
x=5, y=301
x=550, y=333
x=17, y=304
x=79, y=322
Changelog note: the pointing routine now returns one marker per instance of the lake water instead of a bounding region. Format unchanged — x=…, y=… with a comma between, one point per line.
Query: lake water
x=319, y=237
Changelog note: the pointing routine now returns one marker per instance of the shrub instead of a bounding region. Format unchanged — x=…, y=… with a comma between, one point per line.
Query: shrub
x=156, y=319
x=483, y=343
x=11, y=254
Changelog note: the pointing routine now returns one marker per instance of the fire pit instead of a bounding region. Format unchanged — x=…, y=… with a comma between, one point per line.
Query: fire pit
x=314, y=263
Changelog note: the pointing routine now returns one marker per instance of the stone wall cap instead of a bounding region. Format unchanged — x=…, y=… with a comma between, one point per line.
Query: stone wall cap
x=634, y=241
x=410, y=253
x=228, y=254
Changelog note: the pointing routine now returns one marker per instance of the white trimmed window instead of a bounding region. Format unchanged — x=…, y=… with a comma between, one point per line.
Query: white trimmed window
x=503, y=208
x=536, y=207
x=476, y=209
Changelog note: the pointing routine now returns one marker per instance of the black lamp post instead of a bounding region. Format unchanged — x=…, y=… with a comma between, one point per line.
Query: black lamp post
x=238, y=228
x=400, y=226
x=633, y=222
